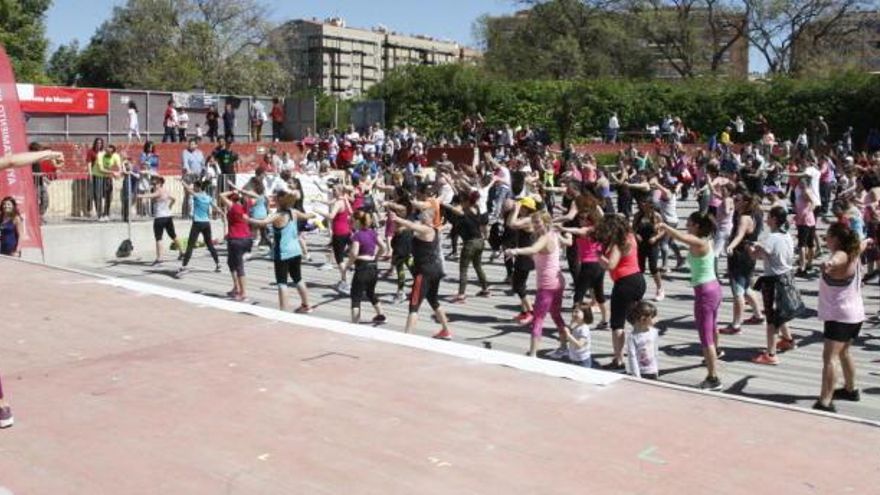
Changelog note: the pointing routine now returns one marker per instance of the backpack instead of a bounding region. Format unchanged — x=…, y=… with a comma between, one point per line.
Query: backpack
x=125, y=248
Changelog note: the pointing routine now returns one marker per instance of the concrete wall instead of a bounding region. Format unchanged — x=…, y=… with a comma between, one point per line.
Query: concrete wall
x=74, y=244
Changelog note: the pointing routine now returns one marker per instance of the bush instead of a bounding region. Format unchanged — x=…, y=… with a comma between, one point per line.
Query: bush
x=437, y=99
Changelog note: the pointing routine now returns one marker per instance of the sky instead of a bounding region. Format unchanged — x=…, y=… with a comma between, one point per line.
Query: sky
x=68, y=19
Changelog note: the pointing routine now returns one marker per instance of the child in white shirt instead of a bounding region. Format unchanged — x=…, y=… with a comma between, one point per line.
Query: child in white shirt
x=641, y=342
x=578, y=340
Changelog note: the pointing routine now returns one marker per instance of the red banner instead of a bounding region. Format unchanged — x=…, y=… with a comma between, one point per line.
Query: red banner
x=17, y=182
x=57, y=99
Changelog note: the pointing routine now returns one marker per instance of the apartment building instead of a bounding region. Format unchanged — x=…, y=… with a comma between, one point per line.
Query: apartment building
x=344, y=61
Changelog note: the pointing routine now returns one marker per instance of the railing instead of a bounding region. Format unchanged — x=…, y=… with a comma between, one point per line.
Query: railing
x=78, y=198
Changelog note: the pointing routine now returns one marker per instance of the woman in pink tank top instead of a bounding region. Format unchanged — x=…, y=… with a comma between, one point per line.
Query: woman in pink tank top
x=842, y=309
x=551, y=284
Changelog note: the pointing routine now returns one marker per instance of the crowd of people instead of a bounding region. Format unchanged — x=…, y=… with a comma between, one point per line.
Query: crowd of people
x=567, y=219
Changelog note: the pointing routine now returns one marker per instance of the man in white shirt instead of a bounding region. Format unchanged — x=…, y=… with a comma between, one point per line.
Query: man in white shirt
x=613, y=128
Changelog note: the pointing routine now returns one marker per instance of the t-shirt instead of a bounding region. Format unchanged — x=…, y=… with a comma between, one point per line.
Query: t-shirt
x=367, y=241
x=202, y=207
x=780, y=253
x=226, y=159
x=579, y=355
x=641, y=352
x=238, y=226
x=814, y=174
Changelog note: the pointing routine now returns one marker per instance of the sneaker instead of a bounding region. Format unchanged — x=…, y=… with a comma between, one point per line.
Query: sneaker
x=304, y=309
x=342, y=287
x=379, y=319
x=156, y=262
x=309, y=258
x=603, y=325
x=231, y=294
x=850, y=395
x=520, y=316
x=765, y=358
x=181, y=271
x=783, y=345
x=484, y=293
x=527, y=319
x=660, y=296
x=326, y=267
x=6, y=419
x=754, y=320
x=459, y=299
x=443, y=335
x=822, y=407
x=612, y=366
x=730, y=330
x=558, y=353
x=711, y=383
x=217, y=268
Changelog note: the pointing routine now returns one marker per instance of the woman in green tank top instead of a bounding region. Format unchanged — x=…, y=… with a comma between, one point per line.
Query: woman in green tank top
x=707, y=290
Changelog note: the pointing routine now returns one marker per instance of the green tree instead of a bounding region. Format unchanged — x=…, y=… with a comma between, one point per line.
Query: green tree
x=218, y=45
x=63, y=67
x=23, y=34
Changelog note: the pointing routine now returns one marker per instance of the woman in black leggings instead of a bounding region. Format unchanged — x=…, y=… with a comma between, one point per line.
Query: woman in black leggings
x=203, y=204
x=520, y=224
x=590, y=276
x=469, y=225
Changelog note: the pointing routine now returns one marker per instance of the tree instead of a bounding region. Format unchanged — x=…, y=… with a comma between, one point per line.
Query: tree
x=777, y=28
x=63, y=67
x=217, y=45
x=562, y=39
x=23, y=34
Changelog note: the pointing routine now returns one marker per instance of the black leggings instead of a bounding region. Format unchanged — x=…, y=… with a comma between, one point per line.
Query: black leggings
x=648, y=255
x=626, y=293
x=520, y=277
x=203, y=228
x=366, y=274
x=591, y=277
x=235, y=254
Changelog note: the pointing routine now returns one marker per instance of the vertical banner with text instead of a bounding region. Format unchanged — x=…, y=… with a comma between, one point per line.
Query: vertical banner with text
x=17, y=182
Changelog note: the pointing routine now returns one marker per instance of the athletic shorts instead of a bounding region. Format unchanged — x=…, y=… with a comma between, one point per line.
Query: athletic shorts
x=288, y=268
x=842, y=332
x=162, y=225
x=425, y=286
x=806, y=236
x=339, y=243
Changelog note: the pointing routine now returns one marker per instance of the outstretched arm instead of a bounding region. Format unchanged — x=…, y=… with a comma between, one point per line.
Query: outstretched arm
x=24, y=159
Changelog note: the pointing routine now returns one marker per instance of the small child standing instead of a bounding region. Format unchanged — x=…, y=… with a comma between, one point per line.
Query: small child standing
x=641, y=342
x=578, y=340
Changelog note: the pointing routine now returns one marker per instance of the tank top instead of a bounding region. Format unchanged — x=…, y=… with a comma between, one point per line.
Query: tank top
x=469, y=226
x=260, y=208
x=803, y=214
x=426, y=255
x=522, y=262
x=8, y=237
x=163, y=205
x=841, y=300
x=629, y=262
x=702, y=268
x=286, y=245
x=547, y=266
x=588, y=249
x=645, y=228
x=341, y=225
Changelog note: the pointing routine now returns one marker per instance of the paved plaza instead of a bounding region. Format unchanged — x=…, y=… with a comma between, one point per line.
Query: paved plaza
x=488, y=322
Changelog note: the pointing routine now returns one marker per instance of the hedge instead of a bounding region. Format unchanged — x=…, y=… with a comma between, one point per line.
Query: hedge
x=437, y=99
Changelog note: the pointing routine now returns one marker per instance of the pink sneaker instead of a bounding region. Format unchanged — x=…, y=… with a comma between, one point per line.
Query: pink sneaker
x=765, y=358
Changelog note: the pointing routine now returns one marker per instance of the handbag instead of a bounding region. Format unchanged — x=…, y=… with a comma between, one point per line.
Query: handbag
x=788, y=304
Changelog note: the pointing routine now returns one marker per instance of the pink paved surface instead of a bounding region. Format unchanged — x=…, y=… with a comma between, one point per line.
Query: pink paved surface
x=126, y=394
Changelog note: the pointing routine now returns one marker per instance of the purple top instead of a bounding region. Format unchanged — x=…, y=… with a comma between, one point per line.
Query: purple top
x=367, y=240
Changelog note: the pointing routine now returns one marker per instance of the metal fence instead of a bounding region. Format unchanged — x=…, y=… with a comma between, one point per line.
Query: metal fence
x=48, y=128
x=75, y=198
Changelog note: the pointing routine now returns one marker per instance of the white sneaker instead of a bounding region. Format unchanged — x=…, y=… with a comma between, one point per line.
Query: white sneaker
x=326, y=267
x=660, y=296
x=558, y=353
